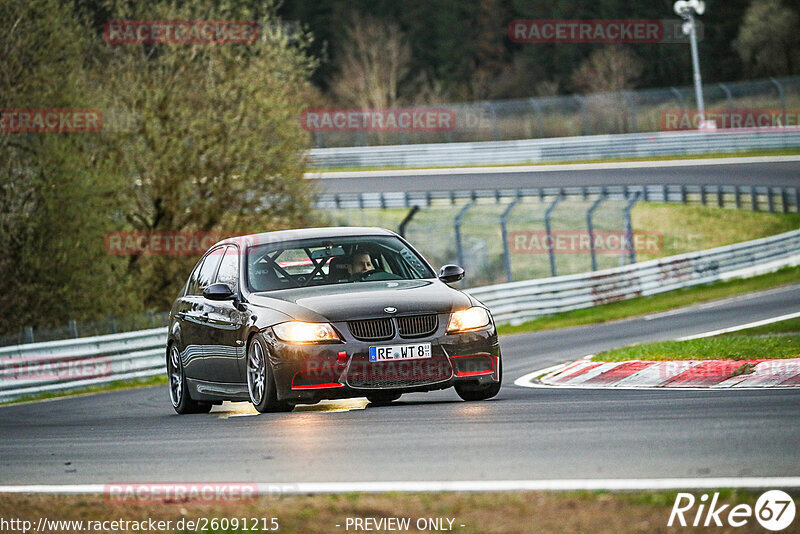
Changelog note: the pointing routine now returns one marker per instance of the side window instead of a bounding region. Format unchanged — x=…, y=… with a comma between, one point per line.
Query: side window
x=229, y=269
x=205, y=275
x=191, y=287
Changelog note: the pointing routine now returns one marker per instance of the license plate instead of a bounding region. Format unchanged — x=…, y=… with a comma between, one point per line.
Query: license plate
x=389, y=353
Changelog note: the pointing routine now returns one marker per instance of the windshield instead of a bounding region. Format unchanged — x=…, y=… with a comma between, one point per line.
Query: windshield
x=325, y=261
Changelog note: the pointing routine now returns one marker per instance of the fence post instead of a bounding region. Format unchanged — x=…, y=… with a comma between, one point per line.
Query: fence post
x=629, y=229
x=728, y=95
x=73, y=328
x=504, y=233
x=770, y=200
x=680, y=98
x=537, y=108
x=738, y=197
x=27, y=334
x=753, y=198
x=720, y=197
x=457, y=227
x=549, y=232
x=407, y=219
x=495, y=131
x=590, y=228
x=634, y=113
x=781, y=95
x=585, y=126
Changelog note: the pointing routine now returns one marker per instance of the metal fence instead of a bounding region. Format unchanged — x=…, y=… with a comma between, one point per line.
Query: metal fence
x=74, y=329
x=520, y=301
x=580, y=115
x=70, y=364
x=76, y=363
x=506, y=235
x=592, y=147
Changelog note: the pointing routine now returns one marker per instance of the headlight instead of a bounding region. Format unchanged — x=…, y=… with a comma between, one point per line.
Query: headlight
x=469, y=319
x=300, y=332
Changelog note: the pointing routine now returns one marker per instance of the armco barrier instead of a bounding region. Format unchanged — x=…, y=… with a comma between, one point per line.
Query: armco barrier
x=516, y=302
x=75, y=363
x=556, y=149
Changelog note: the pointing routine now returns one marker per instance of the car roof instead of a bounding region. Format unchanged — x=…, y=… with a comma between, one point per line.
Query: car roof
x=307, y=233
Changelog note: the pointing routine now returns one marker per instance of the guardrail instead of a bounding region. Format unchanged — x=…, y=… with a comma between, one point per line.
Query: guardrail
x=517, y=302
x=70, y=364
x=556, y=149
x=757, y=198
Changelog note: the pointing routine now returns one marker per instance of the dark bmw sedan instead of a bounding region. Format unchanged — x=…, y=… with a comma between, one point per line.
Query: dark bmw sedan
x=297, y=316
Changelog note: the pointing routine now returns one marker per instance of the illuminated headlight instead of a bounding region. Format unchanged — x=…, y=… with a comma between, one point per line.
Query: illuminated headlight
x=300, y=332
x=469, y=319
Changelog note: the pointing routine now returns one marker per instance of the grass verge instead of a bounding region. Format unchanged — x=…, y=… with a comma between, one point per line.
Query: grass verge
x=775, y=340
x=665, y=301
x=718, y=155
x=709, y=348
x=157, y=380
x=502, y=512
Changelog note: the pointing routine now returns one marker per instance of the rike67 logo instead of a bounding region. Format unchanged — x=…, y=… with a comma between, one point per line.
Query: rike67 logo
x=774, y=510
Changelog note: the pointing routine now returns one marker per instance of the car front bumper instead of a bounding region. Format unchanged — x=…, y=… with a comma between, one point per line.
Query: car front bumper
x=310, y=373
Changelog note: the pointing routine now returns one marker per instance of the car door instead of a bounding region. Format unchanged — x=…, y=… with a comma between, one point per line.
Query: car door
x=194, y=323
x=225, y=351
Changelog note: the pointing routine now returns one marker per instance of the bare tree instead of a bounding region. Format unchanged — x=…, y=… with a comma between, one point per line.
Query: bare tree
x=768, y=40
x=607, y=72
x=374, y=60
x=607, y=69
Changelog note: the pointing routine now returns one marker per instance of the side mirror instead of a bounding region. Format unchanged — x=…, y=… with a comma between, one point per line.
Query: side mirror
x=451, y=273
x=218, y=291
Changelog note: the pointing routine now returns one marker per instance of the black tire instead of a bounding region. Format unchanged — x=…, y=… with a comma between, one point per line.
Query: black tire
x=261, y=380
x=179, y=395
x=471, y=393
x=382, y=399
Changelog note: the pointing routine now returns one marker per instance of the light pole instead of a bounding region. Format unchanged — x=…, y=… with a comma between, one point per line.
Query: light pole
x=687, y=9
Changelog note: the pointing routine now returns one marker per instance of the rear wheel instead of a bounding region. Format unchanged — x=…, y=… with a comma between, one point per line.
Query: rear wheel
x=182, y=402
x=260, y=379
x=382, y=399
x=472, y=393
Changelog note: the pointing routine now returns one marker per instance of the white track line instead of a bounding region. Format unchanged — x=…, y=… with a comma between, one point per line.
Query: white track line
x=719, y=302
x=741, y=326
x=551, y=168
x=612, y=484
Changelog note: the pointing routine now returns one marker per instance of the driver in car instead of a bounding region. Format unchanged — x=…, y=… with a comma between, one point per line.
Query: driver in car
x=361, y=262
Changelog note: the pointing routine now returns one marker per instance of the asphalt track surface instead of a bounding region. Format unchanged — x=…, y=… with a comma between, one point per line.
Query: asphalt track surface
x=706, y=172
x=522, y=434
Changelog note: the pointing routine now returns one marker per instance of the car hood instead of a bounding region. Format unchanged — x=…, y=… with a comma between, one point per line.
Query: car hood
x=361, y=300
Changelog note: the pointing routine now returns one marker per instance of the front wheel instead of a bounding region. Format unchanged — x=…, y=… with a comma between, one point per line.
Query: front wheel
x=182, y=402
x=471, y=393
x=260, y=379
